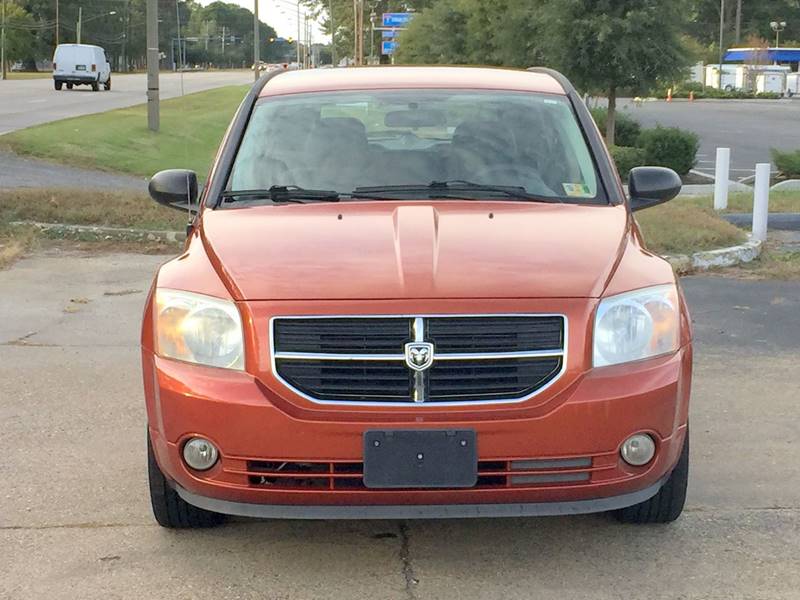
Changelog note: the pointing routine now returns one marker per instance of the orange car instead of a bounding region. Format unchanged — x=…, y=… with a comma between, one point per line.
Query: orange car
x=415, y=293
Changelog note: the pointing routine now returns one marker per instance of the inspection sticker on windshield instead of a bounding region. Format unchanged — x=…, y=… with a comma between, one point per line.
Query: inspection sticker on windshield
x=577, y=190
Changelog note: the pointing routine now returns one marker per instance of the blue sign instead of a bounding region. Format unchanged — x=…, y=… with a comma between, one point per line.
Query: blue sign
x=397, y=19
x=388, y=47
x=390, y=35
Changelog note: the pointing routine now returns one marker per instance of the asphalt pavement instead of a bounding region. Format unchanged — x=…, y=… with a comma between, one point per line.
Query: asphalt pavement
x=27, y=102
x=750, y=128
x=22, y=172
x=75, y=520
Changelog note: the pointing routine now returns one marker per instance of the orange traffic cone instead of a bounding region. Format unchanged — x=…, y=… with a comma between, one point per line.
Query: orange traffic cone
x=669, y=95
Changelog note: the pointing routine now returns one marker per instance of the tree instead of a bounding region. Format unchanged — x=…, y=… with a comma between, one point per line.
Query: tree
x=502, y=33
x=343, y=18
x=20, y=33
x=607, y=45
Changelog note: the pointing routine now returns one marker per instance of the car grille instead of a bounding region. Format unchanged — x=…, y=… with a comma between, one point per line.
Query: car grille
x=364, y=359
x=509, y=473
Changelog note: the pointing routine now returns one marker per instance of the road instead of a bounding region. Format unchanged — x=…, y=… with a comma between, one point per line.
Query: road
x=75, y=520
x=750, y=128
x=26, y=102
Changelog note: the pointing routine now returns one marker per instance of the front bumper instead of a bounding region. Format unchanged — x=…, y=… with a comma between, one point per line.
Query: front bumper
x=252, y=424
x=420, y=511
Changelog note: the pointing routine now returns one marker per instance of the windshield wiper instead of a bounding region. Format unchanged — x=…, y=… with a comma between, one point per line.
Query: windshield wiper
x=454, y=188
x=282, y=193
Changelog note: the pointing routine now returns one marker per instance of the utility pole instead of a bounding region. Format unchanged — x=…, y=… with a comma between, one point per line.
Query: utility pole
x=152, y=66
x=80, y=20
x=738, y=21
x=721, y=30
x=179, y=62
x=125, y=36
x=57, y=22
x=305, y=54
x=358, y=9
x=333, y=34
x=256, y=43
x=3, y=74
x=298, y=34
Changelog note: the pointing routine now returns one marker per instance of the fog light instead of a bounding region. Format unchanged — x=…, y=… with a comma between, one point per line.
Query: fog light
x=638, y=449
x=200, y=454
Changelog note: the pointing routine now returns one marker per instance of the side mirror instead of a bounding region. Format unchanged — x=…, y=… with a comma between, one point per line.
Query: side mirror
x=175, y=188
x=649, y=186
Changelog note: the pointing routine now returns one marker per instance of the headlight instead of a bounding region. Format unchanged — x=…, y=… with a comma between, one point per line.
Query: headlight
x=636, y=325
x=199, y=329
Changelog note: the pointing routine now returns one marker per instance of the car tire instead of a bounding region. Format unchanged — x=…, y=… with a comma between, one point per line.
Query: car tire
x=69, y=86
x=169, y=509
x=95, y=86
x=667, y=504
x=107, y=84
x=58, y=85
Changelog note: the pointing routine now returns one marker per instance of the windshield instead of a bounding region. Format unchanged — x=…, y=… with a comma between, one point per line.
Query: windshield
x=343, y=141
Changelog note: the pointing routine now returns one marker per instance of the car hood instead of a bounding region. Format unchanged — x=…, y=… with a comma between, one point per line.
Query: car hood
x=390, y=250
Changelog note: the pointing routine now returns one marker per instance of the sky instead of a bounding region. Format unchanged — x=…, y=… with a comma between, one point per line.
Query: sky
x=281, y=14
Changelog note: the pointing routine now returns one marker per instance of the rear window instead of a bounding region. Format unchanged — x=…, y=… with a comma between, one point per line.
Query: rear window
x=344, y=140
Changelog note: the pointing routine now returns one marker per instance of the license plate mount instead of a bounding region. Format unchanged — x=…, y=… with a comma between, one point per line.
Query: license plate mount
x=407, y=458
x=80, y=67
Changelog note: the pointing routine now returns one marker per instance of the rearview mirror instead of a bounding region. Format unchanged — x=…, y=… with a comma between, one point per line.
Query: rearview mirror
x=649, y=186
x=416, y=118
x=175, y=188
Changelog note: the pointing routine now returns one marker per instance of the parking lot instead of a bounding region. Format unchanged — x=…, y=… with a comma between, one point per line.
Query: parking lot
x=75, y=520
x=750, y=128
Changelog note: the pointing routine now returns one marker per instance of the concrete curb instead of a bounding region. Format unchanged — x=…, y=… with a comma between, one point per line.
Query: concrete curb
x=94, y=233
x=722, y=257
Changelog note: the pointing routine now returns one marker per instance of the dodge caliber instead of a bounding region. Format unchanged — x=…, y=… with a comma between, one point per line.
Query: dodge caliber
x=415, y=292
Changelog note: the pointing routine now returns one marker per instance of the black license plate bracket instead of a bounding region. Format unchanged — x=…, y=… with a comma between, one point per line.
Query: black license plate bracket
x=407, y=458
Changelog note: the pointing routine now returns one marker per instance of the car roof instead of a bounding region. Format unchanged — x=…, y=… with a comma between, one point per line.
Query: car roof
x=79, y=46
x=370, y=78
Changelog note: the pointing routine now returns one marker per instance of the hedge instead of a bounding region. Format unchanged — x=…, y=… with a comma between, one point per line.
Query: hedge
x=788, y=163
x=627, y=129
x=627, y=158
x=669, y=147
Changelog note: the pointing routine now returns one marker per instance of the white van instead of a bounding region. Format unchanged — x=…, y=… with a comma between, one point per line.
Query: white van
x=81, y=64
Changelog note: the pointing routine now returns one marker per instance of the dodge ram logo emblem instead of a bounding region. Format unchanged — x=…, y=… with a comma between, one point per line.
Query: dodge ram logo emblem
x=419, y=355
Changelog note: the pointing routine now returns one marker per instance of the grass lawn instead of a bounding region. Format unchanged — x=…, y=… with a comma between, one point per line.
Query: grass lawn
x=192, y=127
x=80, y=207
x=743, y=202
x=684, y=226
x=115, y=209
x=40, y=75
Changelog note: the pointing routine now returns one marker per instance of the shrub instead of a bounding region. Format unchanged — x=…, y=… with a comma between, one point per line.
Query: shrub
x=788, y=163
x=715, y=94
x=626, y=158
x=627, y=129
x=669, y=147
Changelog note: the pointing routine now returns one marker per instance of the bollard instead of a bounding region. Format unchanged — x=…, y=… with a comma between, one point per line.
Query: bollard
x=761, y=201
x=721, y=176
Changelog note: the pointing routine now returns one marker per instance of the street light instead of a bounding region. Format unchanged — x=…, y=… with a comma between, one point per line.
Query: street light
x=777, y=27
x=81, y=20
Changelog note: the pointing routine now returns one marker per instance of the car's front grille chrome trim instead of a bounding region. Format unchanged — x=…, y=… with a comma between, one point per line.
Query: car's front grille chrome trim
x=461, y=366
